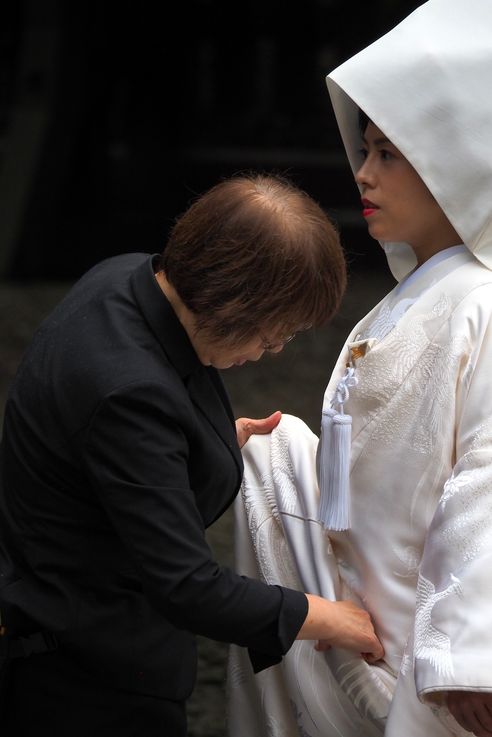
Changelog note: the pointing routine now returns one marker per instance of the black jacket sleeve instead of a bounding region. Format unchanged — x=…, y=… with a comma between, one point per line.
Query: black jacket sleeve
x=137, y=453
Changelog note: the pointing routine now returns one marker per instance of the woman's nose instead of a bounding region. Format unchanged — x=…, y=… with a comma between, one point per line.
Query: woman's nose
x=364, y=174
x=361, y=173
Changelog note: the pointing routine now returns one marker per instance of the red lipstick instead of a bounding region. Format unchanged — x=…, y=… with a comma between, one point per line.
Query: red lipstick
x=369, y=208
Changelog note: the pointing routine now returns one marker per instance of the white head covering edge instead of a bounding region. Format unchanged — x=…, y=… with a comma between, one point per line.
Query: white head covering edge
x=427, y=85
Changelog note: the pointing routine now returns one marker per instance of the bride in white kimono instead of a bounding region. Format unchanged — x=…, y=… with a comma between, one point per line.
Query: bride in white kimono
x=411, y=539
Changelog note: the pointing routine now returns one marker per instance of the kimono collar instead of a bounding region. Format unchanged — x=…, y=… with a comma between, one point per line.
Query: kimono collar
x=428, y=265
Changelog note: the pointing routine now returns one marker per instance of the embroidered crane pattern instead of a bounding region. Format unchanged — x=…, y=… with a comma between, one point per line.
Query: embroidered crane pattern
x=454, y=485
x=430, y=643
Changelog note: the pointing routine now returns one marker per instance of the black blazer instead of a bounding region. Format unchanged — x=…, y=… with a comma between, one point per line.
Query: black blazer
x=118, y=450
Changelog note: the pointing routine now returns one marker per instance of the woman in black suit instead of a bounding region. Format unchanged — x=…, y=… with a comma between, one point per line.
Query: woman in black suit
x=119, y=449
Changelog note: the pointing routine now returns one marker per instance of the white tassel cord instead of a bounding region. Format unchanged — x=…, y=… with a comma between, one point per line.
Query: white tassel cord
x=334, y=458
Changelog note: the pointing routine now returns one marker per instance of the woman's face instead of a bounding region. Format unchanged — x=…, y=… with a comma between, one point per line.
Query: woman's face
x=397, y=205
x=216, y=353
x=224, y=356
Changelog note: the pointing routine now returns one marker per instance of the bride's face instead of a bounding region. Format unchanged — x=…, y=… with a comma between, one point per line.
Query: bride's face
x=397, y=205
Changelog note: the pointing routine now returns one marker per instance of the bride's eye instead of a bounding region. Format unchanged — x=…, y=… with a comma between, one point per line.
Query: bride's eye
x=386, y=155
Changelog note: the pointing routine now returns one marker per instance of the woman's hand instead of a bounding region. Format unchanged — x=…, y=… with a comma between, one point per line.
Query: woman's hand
x=340, y=624
x=472, y=711
x=245, y=427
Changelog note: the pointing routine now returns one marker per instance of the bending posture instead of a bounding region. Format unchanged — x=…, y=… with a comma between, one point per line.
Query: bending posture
x=410, y=537
x=119, y=448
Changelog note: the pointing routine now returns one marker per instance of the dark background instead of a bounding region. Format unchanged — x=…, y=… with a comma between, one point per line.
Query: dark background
x=113, y=115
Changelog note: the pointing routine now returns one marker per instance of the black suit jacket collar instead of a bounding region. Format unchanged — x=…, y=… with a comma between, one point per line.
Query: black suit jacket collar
x=203, y=383
x=162, y=319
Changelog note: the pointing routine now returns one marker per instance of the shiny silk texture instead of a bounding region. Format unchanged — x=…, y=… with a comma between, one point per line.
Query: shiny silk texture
x=418, y=553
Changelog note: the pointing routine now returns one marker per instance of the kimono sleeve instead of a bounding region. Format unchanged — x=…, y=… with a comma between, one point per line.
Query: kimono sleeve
x=453, y=635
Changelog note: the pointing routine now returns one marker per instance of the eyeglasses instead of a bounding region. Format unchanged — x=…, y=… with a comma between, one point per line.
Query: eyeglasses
x=270, y=346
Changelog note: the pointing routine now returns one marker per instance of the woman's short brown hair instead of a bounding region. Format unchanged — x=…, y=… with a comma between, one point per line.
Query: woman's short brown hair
x=255, y=255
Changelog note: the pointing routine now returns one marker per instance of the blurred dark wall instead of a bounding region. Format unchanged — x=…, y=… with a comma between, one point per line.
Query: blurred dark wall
x=114, y=115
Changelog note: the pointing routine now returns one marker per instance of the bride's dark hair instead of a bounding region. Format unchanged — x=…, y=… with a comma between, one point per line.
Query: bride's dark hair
x=363, y=121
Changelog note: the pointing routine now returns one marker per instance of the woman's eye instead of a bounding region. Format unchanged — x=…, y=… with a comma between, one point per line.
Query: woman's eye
x=363, y=153
x=385, y=155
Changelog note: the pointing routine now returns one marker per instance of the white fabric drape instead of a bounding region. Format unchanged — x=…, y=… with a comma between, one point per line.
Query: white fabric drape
x=417, y=555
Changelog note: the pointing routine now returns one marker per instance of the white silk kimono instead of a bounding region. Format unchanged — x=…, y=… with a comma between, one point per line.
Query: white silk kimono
x=418, y=553
x=419, y=546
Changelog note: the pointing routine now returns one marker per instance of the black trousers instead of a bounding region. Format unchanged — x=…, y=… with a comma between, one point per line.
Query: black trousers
x=48, y=695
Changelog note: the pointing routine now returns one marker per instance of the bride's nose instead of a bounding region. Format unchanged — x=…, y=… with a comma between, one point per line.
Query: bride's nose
x=364, y=174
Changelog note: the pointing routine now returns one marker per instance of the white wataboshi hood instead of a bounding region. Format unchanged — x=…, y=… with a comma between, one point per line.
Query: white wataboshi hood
x=427, y=84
